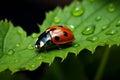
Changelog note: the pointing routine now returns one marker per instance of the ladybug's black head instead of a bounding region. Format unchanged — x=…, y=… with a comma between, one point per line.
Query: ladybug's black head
x=42, y=40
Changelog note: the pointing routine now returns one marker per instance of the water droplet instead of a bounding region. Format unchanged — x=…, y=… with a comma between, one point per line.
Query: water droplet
x=78, y=11
x=105, y=27
x=17, y=45
x=39, y=58
x=76, y=45
x=111, y=32
x=34, y=35
x=10, y=52
x=98, y=18
x=33, y=66
x=89, y=29
x=93, y=39
x=20, y=31
x=111, y=7
x=71, y=27
x=118, y=23
x=30, y=47
x=56, y=20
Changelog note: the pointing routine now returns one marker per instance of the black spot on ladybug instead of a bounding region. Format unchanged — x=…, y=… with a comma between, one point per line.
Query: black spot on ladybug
x=57, y=38
x=65, y=33
x=53, y=29
x=60, y=26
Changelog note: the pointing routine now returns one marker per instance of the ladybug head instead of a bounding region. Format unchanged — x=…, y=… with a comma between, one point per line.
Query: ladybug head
x=42, y=40
x=39, y=45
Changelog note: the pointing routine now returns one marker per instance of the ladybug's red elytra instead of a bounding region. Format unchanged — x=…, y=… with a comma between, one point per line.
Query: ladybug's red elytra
x=57, y=35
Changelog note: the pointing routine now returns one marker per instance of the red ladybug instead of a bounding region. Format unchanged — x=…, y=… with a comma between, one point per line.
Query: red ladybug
x=57, y=35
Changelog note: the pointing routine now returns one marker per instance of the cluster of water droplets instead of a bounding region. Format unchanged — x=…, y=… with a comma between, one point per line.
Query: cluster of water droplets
x=12, y=51
x=38, y=58
x=88, y=30
x=30, y=46
x=76, y=11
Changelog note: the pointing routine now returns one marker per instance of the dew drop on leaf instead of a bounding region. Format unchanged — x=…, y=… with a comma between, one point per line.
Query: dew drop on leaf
x=118, y=23
x=78, y=11
x=20, y=31
x=93, y=39
x=56, y=20
x=111, y=32
x=17, y=45
x=76, y=45
x=88, y=30
x=111, y=7
x=10, y=52
x=34, y=35
x=104, y=27
x=98, y=18
x=71, y=27
x=30, y=47
x=39, y=58
x=33, y=66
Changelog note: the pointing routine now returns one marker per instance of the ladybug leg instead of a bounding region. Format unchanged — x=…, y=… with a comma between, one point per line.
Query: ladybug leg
x=45, y=49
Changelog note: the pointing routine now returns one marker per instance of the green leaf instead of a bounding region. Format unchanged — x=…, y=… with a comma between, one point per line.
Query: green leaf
x=93, y=22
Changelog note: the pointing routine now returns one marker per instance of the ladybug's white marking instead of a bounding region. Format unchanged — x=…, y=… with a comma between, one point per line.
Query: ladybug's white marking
x=41, y=44
x=36, y=46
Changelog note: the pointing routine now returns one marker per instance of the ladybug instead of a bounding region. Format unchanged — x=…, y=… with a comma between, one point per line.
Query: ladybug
x=58, y=35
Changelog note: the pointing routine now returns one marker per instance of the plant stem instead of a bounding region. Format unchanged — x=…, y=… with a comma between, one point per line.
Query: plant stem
x=102, y=64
